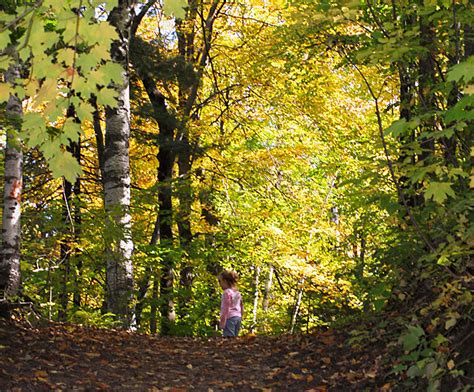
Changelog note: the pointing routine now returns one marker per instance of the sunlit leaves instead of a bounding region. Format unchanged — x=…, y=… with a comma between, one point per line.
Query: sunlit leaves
x=175, y=8
x=68, y=62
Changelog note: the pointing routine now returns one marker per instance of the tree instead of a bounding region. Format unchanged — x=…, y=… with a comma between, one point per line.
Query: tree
x=11, y=217
x=119, y=245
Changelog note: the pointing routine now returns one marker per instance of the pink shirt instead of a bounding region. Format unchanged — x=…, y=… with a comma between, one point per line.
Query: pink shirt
x=231, y=305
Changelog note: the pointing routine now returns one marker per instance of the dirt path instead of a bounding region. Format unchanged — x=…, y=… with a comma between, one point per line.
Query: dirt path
x=73, y=358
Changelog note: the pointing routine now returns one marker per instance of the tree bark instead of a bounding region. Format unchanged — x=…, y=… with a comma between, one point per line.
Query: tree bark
x=154, y=305
x=72, y=221
x=11, y=227
x=163, y=231
x=65, y=252
x=119, y=244
x=256, y=278
x=268, y=288
x=297, y=306
x=427, y=80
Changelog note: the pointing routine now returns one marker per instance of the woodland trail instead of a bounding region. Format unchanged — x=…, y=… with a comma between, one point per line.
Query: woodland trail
x=72, y=358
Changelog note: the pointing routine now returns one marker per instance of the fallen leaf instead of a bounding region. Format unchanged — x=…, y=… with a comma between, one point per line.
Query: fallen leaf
x=92, y=355
x=371, y=374
x=41, y=374
x=295, y=376
x=321, y=388
x=326, y=360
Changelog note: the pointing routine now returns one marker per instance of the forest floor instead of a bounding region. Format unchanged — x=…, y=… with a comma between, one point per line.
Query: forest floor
x=63, y=357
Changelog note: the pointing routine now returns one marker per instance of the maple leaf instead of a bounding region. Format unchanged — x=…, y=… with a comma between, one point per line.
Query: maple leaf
x=439, y=191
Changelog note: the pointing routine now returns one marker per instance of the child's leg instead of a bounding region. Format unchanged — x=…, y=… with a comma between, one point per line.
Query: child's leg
x=238, y=324
x=230, y=328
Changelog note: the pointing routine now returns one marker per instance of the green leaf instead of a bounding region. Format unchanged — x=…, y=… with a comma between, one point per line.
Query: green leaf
x=87, y=61
x=438, y=341
x=85, y=111
x=114, y=72
x=70, y=131
x=450, y=323
x=66, y=56
x=47, y=92
x=175, y=8
x=400, y=127
x=107, y=97
x=103, y=33
x=462, y=72
x=439, y=191
x=4, y=39
x=101, y=52
x=39, y=39
x=33, y=129
x=462, y=111
x=64, y=164
x=43, y=67
x=410, y=342
x=68, y=22
x=414, y=371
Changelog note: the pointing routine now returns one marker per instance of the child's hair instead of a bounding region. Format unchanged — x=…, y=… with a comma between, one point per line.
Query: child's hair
x=230, y=277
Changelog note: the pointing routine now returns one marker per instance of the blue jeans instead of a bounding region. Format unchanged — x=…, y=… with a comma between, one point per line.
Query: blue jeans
x=232, y=326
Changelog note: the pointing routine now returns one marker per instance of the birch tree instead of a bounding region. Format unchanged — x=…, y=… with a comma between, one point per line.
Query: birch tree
x=11, y=226
x=119, y=244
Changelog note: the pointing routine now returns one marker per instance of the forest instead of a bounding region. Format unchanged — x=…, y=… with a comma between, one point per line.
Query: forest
x=322, y=149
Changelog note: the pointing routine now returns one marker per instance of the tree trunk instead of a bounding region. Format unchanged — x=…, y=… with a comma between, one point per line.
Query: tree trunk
x=11, y=227
x=268, y=288
x=144, y=284
x=256, y=278
x=185, y=195
x=297, y=305
x=72, y=221
x=65, y=251
x=76, y=151
x=427, y=80
x=164, y=224
x=119, y=245
x=154, y=305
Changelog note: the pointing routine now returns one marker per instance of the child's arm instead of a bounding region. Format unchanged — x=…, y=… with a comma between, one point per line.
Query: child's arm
x=225, y=304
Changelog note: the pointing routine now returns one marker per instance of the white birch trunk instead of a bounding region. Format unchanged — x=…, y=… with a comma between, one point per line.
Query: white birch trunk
x=11, y=226
x=119, y=244
x=268, y=288
x=255, y=297
x=297, y=305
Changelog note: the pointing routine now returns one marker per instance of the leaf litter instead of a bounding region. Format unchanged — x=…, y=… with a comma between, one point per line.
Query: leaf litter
x=62, y=357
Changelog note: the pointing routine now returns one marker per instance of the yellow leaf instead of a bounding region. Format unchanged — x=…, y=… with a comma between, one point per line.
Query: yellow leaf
x=295, y=376
x=450, y=364
x=5, y=91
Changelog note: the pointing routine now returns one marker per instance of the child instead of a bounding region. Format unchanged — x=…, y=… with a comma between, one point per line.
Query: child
x=232, y=309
